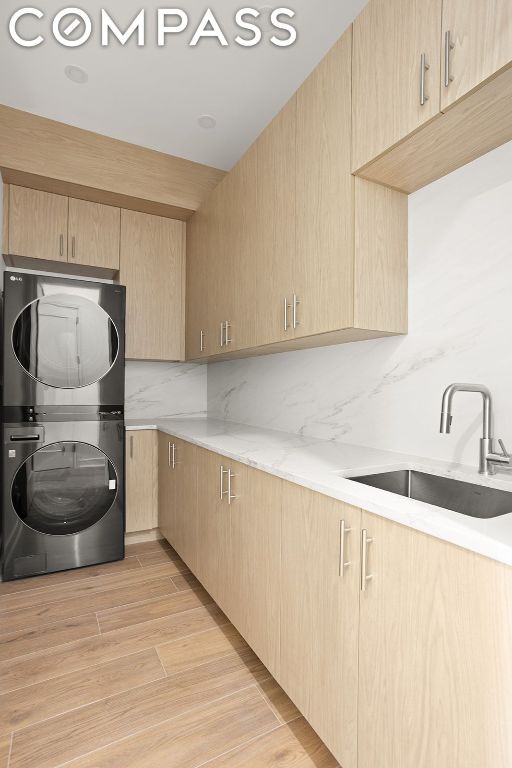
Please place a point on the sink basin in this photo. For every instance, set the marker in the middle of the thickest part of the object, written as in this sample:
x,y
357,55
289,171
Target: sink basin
x,y
467,498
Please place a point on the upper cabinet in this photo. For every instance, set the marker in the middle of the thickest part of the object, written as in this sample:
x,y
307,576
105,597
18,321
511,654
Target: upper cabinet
x,y
38,224
153,269
396,73
93,234
295,251
477,41
56,228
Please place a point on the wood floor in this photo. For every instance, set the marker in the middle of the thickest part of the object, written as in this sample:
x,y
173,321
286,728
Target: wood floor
x,y
132,665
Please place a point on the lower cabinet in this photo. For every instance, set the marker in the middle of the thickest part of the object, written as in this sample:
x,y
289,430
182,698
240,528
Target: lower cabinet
x,y
394,645
319,607
141,481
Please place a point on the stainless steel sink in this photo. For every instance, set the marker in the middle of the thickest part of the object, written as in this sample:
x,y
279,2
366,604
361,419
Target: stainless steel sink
x,y
467,498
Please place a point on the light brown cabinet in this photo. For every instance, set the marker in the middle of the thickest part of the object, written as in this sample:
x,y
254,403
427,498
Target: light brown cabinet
x,y
435,669
390,39
38,224
166,488
481,36
319,615
141,481
93,234
56,228
152,267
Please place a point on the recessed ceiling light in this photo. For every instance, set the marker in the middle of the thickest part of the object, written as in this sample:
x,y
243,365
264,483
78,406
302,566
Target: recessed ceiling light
x,y
76,74
207,122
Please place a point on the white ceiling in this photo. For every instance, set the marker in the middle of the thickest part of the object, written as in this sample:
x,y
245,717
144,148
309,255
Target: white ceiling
x,y
153,96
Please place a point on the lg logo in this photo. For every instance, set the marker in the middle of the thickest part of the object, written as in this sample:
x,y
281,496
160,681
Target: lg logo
x,y
72,27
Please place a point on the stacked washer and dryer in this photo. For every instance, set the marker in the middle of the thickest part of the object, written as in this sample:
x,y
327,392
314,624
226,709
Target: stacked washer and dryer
x,y
62,424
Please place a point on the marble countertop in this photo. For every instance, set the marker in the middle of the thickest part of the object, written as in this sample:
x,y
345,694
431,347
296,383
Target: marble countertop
x,y
326,466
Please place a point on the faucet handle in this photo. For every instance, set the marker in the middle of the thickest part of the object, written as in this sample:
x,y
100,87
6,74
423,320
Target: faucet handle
x,y
505,453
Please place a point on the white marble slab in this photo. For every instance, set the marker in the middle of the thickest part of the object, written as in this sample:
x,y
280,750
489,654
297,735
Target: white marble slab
x,y
164,389
326,466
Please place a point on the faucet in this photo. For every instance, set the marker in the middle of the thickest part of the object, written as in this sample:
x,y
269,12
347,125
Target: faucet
x,y
489,460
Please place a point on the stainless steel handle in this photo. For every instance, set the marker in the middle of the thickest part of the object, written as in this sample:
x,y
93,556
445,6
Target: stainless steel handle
x,y
342,562
201,342
73,244
173,456
286,308
61,245
365,576
231,497
227,326
222,473
131,446
448,46
296,302
424,66
222,334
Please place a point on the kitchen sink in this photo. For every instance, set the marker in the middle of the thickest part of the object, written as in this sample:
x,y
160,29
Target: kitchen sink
x,y
467,498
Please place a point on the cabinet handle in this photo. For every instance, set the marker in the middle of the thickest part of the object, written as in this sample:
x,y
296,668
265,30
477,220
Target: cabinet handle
x,y
231,497
448,46
61,245
227,326
222,473
365,576
296,302
222,334
424,66
171,455
131,446
342,562
73,244
201,342
286,308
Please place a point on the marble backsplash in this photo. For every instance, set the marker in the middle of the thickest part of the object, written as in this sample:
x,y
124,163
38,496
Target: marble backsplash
x,y
387,393
159,390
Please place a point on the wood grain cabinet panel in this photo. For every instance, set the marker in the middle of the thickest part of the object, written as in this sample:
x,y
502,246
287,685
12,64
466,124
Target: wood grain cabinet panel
x,y
184,459
198,340
320,615
141,480
38,224
481,35
389,40
166,489
153,270
435,669
94,234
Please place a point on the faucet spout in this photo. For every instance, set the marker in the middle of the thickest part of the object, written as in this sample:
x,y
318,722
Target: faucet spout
x,y
446,408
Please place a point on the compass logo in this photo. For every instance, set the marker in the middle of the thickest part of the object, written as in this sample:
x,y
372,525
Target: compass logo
x,y
73,27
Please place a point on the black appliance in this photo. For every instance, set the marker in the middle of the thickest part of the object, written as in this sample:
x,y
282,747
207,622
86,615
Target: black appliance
x,y
62,424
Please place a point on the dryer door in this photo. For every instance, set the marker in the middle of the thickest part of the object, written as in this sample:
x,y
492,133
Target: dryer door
x,y
65,341
64,488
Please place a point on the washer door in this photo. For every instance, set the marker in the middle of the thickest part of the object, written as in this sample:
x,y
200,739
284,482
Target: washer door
x,y
65,341
64,488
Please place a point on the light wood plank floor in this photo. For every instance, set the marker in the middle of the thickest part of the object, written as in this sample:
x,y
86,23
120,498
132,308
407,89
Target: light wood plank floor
x,y
132,665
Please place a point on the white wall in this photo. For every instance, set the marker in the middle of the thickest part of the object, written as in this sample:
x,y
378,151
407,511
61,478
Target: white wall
x,y
164,389
387,393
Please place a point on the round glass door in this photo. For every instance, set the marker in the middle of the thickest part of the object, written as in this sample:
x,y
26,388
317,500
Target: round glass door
x,y
64,488
65,341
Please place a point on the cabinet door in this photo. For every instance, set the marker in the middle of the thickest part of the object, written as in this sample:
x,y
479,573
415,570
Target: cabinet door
x,y
256,553
185,480
198,341
166,489
320,615
94,233
141,481
213,526
435,668
390,37
271,279
153,270
38,224
481,33
324,263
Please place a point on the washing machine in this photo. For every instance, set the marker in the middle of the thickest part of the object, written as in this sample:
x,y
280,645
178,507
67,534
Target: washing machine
x,y
63,489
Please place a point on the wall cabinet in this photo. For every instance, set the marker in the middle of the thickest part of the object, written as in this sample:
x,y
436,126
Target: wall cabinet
x,y
153,269
293,237
141,481
56,228
319,614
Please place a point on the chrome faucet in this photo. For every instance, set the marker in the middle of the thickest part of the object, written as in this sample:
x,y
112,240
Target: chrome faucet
x,y
489,460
